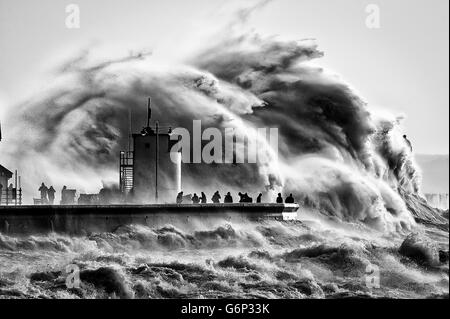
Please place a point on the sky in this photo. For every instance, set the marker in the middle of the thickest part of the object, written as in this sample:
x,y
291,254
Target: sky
x,y
402,66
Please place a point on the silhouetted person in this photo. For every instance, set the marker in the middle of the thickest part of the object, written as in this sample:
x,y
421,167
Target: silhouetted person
x,y
216,198
195,199
290,199
203,198
51,195
44,192
248,199
64,195
408,142
259,198
228,198
279,199
241,198
180,198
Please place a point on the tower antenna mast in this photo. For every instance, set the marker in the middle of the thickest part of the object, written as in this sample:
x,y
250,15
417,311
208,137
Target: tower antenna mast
x,y
149,111
130,130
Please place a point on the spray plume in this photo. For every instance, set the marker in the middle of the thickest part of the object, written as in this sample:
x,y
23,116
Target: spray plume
x,y
333,152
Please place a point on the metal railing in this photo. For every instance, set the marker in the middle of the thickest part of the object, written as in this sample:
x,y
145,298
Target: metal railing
x,y
11,197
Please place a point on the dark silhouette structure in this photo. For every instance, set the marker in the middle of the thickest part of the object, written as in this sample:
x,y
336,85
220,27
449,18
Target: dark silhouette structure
x,y
195,199
203,198
216,198
245,198
180,198
63,194
51,195
151,168
44,193
228,198
290,199
259,198
279,199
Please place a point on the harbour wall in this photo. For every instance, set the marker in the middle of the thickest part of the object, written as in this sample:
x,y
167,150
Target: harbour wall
x,y
91,219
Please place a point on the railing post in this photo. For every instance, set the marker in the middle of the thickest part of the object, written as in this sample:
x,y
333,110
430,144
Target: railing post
x,y
15,189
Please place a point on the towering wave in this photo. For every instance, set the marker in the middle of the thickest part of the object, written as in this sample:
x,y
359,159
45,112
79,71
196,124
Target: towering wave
x,y
335,153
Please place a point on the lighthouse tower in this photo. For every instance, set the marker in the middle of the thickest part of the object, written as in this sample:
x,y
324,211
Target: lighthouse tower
x,y
151,172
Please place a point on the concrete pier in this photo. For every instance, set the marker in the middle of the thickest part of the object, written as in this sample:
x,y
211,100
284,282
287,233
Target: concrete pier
x,y
88,219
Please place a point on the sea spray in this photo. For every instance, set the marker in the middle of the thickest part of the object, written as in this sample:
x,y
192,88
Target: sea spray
x,y
333,150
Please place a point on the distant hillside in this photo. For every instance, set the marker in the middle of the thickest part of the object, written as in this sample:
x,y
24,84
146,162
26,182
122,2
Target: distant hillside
x,y
435,173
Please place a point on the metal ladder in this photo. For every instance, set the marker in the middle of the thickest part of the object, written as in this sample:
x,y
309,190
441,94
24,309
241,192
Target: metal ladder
x,y
126,172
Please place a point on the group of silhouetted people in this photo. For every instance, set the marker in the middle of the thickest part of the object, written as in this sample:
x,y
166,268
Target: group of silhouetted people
x,y
289,200
243,198
47,194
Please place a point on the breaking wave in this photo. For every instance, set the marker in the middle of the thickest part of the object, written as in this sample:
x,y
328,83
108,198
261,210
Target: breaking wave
x,y
335,152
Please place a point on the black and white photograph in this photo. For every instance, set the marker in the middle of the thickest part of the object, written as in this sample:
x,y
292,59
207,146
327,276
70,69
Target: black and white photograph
x,y
197,151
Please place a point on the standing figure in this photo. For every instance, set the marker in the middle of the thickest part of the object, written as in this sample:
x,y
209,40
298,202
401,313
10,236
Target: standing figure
x,y
279,199
228,198
203,199
44,191
180,197
259,199
195,199
216,198
51,195
290,199
64,195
